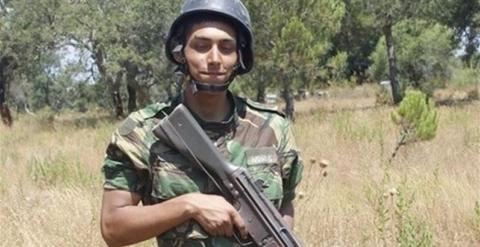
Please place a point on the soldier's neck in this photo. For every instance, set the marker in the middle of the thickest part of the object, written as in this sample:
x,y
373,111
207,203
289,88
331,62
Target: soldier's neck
x,y
210,107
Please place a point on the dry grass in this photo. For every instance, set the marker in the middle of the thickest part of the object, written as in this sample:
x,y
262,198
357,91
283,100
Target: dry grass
x,y
442,174
49,183
50,187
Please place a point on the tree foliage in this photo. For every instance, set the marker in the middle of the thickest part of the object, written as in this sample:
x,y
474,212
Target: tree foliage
x,y
75,54
125,41
274,25
386,14
464,18
424,52
357,38
28,34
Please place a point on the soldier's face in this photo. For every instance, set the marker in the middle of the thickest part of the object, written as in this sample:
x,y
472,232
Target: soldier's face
x,y
211,52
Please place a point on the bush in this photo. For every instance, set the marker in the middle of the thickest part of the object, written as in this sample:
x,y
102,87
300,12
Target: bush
x,y
410,230
337,69
417,117
395,220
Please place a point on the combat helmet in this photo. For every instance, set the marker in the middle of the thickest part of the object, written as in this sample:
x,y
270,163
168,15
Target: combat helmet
x,y
232,10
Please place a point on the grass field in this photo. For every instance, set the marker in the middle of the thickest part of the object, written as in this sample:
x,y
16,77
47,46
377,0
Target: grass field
x,y
50,184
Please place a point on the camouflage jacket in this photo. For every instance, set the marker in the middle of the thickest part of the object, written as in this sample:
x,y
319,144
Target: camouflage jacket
x,y
255,137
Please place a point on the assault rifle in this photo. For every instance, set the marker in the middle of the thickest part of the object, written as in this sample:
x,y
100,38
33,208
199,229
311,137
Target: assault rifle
x,y
266,227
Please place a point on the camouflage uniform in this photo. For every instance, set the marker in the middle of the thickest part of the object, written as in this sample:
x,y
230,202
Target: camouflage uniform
x,y
254,136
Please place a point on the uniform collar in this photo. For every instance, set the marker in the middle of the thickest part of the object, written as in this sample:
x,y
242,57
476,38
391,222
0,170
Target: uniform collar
x,y
217,129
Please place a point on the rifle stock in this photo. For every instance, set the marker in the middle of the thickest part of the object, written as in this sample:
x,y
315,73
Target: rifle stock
x,y
265,224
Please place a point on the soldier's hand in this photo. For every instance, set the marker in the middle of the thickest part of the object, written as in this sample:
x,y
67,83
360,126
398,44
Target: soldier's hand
x,y
217,216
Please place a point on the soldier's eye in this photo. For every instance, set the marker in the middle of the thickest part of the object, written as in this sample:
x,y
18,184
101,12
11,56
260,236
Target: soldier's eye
x,y
201,46
227,47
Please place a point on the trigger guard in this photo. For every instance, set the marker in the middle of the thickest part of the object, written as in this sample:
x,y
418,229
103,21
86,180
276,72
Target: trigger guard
x,y
244,243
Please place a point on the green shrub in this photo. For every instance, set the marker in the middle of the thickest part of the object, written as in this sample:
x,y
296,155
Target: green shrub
x,y
411,232
417,117
383,217
395,222
337,70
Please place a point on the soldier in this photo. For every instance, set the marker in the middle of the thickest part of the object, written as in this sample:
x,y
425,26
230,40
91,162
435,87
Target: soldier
x,y
211,42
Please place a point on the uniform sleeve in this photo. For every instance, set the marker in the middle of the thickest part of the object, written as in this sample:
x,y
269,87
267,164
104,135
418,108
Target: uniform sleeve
x,y
119,171
125,166
292,166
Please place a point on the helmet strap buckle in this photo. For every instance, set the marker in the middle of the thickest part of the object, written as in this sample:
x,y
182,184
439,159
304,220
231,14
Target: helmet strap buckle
x,y
205,87
240,59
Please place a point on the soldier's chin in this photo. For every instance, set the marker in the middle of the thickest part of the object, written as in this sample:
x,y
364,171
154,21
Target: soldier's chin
x,y
202,92
214,80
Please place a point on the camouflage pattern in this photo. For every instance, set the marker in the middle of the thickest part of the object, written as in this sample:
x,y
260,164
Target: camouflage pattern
x,y
256,137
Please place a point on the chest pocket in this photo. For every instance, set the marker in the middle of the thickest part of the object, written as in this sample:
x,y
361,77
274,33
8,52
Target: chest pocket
x,y
263,164
172,175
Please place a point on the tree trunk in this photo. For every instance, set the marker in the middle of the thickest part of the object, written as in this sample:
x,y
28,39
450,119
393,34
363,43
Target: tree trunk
x,y
113,84
6,116
261,89
169,90
47,93
3,98
138,94
117,98
143,96
289,102
132,85
392,62
260,92
7,65
132,98
471,46
4,111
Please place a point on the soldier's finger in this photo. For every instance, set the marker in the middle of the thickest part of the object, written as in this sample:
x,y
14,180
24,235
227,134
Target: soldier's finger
x,y
211,230
239,224
228,228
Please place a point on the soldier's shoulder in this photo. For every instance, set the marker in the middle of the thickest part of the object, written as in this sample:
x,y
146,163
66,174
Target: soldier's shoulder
x,y
265,109
153,110
140,117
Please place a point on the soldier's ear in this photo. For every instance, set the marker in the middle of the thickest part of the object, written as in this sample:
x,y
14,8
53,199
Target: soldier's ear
x,y
178,55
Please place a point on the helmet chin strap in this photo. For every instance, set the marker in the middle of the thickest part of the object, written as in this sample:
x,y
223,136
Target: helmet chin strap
x,y
205,87
198,86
